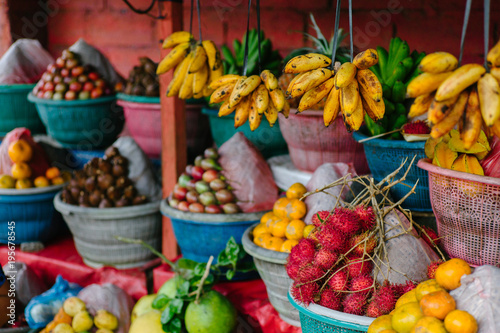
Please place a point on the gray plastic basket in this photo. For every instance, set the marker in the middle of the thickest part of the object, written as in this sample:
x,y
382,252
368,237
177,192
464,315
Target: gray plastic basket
x,y
271,267
94,231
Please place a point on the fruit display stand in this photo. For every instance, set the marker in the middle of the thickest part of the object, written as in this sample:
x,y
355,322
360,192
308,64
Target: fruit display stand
x,y
311,144
16,111
467,213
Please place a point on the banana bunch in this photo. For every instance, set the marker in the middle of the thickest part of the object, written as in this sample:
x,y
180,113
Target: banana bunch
x,y
350,88
196,64
466,96
250,97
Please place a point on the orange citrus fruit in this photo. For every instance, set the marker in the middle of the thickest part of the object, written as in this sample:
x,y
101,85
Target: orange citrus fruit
x,y
260,229
279,228
307,230
20,170
262,239
58,181
295,230
271,221
20,151
437,304
427,287
52,173
295,209
41,181
288,244
279,208
274,244
380,324
388,331
459,321
429,324
296,191
449,273
406,298
23,183
266,217
406,316
66,175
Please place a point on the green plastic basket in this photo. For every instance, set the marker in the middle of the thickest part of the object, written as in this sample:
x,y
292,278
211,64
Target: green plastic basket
x,y
138,99
81,124
16,111
314,323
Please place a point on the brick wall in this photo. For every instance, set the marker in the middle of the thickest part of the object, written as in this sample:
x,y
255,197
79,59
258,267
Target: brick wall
x,y
124,36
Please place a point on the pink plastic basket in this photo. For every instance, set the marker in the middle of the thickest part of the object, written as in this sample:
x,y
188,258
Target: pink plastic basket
x,y
467,209
311,144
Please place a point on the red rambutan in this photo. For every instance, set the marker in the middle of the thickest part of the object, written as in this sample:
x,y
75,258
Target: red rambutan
x,y
292,268
359,266
355,303
345,220
373,310
431,269
431,235
304,293
309,273
331,299
403,288
361,283
338,282
325,259
366,217
363,243
385,298
320,218
332,239
304,251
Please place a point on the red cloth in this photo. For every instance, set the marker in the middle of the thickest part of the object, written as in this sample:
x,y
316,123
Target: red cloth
x,y
249,297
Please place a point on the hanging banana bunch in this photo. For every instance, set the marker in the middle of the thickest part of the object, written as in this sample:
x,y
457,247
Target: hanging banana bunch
x,y
250,97
351,88
466,96
196,64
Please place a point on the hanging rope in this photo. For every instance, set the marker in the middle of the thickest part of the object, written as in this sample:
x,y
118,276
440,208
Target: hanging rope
x,y
191,18
140,11
486,30
335,33
199,20
464,29
258,33
245,61
350,30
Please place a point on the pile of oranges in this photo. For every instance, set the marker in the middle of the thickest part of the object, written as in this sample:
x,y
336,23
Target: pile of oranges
x,y
429,307
281,229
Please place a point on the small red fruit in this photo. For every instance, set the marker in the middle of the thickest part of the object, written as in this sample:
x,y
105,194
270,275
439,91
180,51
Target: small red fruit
x,y
48,86
180,192
77,71
213,209
88,86
93,76
64,72
184,206
75,86
60,62
70,95
192,196
197,173
196,208
99,83
96,93
210,175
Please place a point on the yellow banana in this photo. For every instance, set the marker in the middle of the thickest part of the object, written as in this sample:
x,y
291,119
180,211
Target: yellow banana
x,y
493,57
459,80
438,110
261,98
286,109
292,83
375,110
254,117
200,59
187,87
307,62
207,91
309,81
345,75
349,97
489,98
332,107
438,62
213,55
369,84
495,129
225,109
176,38
271,114
215,75
269,80
313,96
420,105
222,93
179,75
223,80
354,120
243,88
425,83
173,58
447,124
473,120
242,111
366,59
496,73
200,80
278,99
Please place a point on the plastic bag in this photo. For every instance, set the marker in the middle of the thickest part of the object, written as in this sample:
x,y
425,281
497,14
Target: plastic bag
x,y
248,174
38,163
111,298
28,285
479,294
41,310
24,62
140,168
325,174
491,163
89,55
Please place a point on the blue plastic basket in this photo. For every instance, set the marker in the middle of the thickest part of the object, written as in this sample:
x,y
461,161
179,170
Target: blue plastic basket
x,y
82,124
311,322
16,111
385,156
33,212
267,139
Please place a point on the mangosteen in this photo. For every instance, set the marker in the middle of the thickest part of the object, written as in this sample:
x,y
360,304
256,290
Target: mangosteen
x,y
122,202
123,182
113,193
119,160
105,203
90,183
105,181
73,182
119,170
139,200
105,166
75,193
83,199
130,192
111,152
95,198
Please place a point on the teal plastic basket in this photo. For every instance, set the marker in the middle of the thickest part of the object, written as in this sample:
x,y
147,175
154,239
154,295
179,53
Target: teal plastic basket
x,y
81,124
138,99
16,111
385,156
267,139
311,322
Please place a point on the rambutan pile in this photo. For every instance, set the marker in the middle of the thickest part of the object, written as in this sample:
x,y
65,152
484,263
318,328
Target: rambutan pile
x,y
320,218
304,293
431,235
431,269
366,217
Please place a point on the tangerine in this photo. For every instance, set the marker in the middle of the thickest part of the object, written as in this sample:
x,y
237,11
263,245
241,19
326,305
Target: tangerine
x,y
406,298
279,228
406,316
23,183
459,321
274,244
437,304
380,324
260,229
307,230
427,287
449,273
296,191
52,173
262,239
295,209
272,221
295,230
288,244
267,216
430,325
58,181
279,208
41,181
20,170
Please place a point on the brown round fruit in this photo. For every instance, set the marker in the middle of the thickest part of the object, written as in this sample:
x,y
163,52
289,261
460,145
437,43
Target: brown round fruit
x,y
224,196
90,183
113,193
218,184
192,196
139,200
111,152
130,192
196,208
95,198
213,209
104,181
231,208
104,166
122,202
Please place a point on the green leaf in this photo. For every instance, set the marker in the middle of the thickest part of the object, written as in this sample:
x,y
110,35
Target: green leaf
x,y
176,305
183,288
316,27
232,249
167,315
222,259
186,268
200,269
175,326
160,302
230,274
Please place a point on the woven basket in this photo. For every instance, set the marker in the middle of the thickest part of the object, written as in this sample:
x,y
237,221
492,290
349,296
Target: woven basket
x,y
94,231
271,267
467,209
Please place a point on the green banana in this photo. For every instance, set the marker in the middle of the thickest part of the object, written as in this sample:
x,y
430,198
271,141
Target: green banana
x,y
398,123
265,49
387,91
238,52
228,55
382,62
408,63
400,109
373,127
393,50
414,55
398,74
390,108
398,92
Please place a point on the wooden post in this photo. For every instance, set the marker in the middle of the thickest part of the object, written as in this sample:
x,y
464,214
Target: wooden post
x,y
173,125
